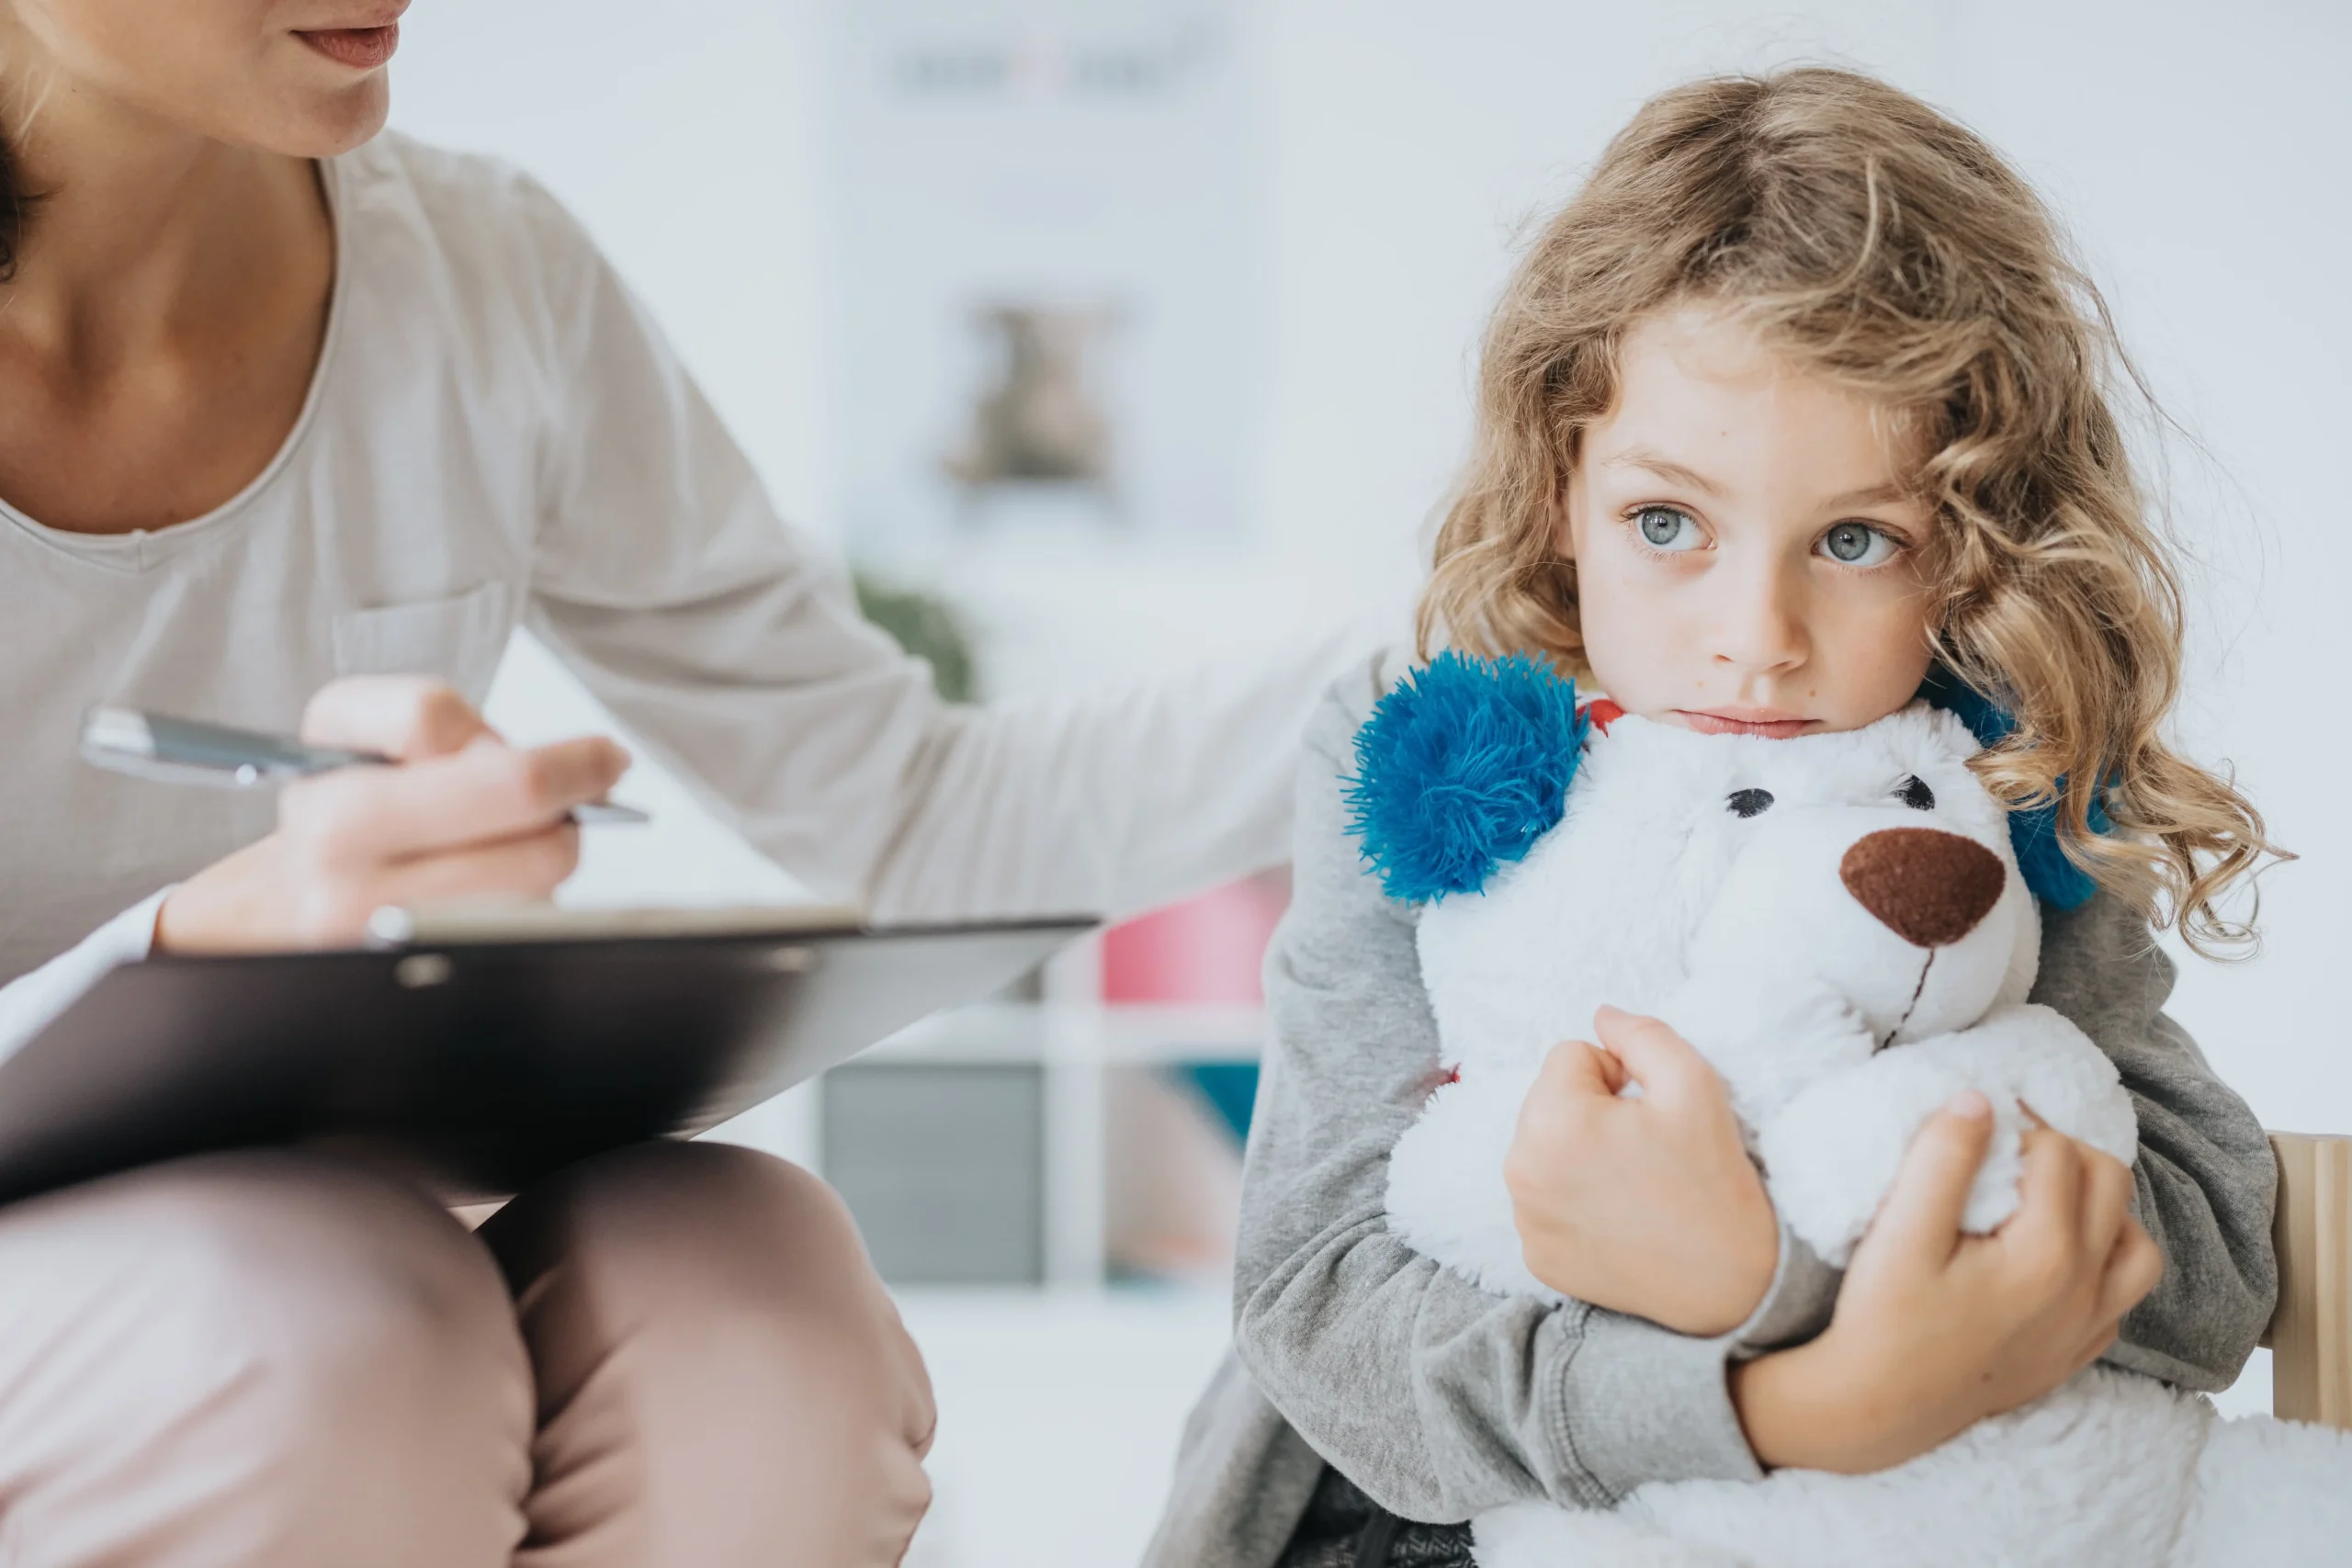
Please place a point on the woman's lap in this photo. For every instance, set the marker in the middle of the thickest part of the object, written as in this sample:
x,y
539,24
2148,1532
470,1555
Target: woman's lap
x,y
273,1357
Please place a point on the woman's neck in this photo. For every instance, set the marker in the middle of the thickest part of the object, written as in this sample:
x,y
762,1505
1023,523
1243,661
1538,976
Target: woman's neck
x,y
141,237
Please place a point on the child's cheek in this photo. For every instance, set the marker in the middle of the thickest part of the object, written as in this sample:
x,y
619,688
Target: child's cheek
x,y
1632,636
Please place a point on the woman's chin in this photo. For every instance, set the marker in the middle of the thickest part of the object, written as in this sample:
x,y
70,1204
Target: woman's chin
x,y
330,123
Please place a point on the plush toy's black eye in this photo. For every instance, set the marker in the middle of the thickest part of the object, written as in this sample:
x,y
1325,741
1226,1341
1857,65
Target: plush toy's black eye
x,y
1750,802
1915,794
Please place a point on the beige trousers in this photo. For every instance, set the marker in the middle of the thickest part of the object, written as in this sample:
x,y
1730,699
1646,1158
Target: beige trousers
x,y
275,1360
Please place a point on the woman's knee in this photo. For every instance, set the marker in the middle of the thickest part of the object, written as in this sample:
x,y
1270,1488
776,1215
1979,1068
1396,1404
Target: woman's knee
x,y
323,1346
708,1232
722,1299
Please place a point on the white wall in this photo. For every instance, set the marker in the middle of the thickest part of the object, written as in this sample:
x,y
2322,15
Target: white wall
x,y
2201,155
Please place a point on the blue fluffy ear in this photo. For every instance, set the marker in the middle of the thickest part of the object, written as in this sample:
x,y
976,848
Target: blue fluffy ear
x,y
2055,880
1460,769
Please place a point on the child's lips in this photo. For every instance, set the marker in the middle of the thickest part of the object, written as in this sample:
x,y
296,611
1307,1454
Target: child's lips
x,y
1773,723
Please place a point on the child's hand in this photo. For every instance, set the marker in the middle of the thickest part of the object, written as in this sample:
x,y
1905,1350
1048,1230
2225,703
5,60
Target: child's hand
x,y
1648,1206
1936,1330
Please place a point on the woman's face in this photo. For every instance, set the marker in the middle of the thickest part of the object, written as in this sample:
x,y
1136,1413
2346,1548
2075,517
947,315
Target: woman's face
x,y
1746,558
301,77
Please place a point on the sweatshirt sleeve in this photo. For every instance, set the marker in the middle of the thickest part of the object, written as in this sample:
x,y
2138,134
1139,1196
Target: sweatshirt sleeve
x,y
1436,1397
30,1001
731,646
2205,1179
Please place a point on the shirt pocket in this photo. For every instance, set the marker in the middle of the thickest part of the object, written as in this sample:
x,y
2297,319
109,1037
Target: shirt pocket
x,y
459,638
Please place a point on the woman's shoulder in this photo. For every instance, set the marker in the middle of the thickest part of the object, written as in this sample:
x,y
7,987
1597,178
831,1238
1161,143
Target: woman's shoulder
x,y
421,213
446,185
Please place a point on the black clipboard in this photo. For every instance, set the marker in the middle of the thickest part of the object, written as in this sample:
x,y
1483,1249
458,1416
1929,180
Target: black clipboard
x,y
477,1064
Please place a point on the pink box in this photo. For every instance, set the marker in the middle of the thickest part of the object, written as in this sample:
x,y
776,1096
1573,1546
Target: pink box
x,y
1206,949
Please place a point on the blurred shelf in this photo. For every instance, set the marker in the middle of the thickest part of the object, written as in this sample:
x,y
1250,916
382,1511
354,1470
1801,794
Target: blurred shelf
x,y
976,1145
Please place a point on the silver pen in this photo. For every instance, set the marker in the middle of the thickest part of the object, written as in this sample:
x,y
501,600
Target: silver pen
x,y
184,750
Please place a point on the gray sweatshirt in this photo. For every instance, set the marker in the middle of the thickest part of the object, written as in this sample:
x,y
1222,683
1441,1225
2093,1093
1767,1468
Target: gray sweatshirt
x,y
1441,1400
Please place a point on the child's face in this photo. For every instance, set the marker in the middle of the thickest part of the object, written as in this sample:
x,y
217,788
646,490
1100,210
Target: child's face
x,y
1746,558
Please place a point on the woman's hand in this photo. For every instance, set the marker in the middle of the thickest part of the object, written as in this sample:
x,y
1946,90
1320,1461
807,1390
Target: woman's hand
x,y
1935,1330
1648,1206
466,813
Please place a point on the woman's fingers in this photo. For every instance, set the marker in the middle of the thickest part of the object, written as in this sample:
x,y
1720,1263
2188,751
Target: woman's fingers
x,y
406,718
1923,1209
531,866
485,793
462,814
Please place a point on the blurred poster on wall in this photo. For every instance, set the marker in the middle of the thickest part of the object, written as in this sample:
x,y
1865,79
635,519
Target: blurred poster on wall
x,y
1049,279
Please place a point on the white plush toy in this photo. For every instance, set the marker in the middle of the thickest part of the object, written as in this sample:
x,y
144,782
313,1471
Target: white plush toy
x,y
1839,923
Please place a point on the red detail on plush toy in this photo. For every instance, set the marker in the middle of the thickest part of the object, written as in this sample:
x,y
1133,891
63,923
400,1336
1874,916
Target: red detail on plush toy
x,y
1438,1078
1603,713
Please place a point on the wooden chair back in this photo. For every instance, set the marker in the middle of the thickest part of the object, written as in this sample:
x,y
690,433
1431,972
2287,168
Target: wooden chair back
x,y
2310,1333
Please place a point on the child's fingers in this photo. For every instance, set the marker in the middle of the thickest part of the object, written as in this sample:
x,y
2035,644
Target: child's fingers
x,y
1922,1212
1575,1070
1662,1062
2133,1269
2092,1348
2050,1196
1612,1068
2107,1199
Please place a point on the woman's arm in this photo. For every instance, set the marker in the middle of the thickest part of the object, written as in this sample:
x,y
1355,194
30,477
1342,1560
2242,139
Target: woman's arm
x,y
2205,1179
732,648
30,1001
1436,1397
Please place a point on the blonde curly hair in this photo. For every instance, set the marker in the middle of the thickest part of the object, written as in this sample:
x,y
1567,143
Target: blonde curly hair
x,y
1870,239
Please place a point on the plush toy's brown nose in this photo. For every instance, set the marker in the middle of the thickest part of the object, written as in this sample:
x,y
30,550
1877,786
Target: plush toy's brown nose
x,y
1928,887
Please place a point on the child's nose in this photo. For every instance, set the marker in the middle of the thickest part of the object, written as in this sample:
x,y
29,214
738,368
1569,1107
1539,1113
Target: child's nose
x,y
1759,626
1928,887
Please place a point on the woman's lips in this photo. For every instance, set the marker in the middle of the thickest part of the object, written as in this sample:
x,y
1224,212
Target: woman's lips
x,y
362,48
1768,723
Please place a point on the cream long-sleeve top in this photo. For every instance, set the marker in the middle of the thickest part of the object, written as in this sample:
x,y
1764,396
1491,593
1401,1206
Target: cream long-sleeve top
x,y
497,435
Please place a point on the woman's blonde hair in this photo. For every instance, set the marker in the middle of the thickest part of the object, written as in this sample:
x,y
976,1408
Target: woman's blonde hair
x,y
1868,238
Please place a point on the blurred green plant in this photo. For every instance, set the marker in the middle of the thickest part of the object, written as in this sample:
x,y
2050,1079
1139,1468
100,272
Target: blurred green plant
x,y
925,626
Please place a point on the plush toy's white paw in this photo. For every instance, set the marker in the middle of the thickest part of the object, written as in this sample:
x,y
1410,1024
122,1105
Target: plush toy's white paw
x,y
2039,1056
1833,1151
2275,1493
1446,1196
1539,1535
1831,1154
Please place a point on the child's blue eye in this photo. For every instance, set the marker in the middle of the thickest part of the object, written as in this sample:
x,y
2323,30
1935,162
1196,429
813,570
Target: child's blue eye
x,y
1858,544
1666,528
